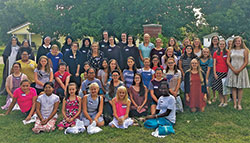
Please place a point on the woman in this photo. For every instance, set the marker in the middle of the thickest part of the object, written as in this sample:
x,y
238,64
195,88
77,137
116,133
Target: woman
x,y
113,51
173,43
138,93
27,67
158,50
67,44
112,65
92,107
168,53
9,57
25,96
185,42
195,87
197,47
130,50
237,78
86,44
44,48
25,47
13,82
95,56
73,59
145,48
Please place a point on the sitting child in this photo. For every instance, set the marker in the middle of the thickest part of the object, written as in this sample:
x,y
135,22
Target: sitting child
x,y
121,107
46,108
71,107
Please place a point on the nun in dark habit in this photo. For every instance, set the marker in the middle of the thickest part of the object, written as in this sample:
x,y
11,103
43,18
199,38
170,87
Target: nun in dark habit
x,y
9,57
67,44
44,48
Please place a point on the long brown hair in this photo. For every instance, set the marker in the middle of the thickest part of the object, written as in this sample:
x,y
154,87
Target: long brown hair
x,y
242,46
199,71
47,67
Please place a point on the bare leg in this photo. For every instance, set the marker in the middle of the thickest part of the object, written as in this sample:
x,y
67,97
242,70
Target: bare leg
x,y
208,96
100,124
202,109
214,96
153,109
221,100
234,92
193,109
60,128
240,93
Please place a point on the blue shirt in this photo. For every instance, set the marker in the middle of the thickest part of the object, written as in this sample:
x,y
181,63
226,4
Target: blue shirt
x,y
128,77
86,83
146,50
55,60
204,66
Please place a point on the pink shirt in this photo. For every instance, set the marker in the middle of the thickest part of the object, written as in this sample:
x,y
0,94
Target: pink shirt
x,y
24,100
120,108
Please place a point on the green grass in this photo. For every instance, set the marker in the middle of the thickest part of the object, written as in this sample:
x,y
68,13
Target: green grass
x,y
1,50
214,125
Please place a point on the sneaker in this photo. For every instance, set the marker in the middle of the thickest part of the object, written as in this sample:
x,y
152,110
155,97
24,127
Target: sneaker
x,y
230,99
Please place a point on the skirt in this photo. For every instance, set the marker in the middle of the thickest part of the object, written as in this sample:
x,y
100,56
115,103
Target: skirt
x,y
217,83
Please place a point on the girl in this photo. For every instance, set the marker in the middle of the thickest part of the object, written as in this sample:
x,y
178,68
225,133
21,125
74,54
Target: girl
x,y
195,87
25,96
93,107
197,47
129,72
112,65
130,50
71,107
173,76
138,94
168,53
206,64
46,108
25,47
9,57
13,82
84,75
67,44
111,89
237,61
184,62
121,107
62,78
103,72
220,71
146,72
155,63
145,47
165,110
154,88
55,57
173,43
158,50
95,56
43,73
185,42
44,48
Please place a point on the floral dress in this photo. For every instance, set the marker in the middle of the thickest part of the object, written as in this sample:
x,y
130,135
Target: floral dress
x,y
72,108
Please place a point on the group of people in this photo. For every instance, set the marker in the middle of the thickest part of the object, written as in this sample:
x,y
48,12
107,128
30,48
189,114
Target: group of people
x,y
118,84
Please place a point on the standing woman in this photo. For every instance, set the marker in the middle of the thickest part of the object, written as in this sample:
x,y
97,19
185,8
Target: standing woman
x,y
130,50
158,50
173,43
113,51
220,71
95,56
138,93
103,72
155,63
25,47
129,72
67,44
185,42
195,87
197,47
44,48
73,59
13,82
168,53
43,73
9,57
112,65
86,44
237,61
145,48
146,72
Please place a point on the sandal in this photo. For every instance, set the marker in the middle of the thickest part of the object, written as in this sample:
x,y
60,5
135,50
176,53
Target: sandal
x,y
214,99
221,104
239,107
235,106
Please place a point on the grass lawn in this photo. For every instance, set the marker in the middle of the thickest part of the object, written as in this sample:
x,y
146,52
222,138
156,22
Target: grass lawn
x,y
214,125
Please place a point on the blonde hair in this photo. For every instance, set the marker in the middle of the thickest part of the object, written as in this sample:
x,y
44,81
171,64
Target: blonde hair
x,y
160,40
242,46
204,49
199,71
165,57
125,100
94,84
54,47
200,45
